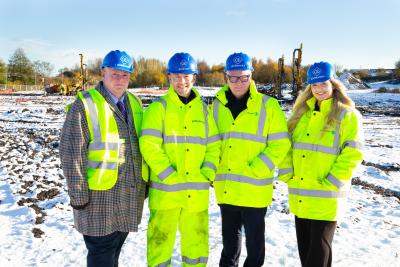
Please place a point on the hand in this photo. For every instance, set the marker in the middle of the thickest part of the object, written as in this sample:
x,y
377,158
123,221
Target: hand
x,y
79,207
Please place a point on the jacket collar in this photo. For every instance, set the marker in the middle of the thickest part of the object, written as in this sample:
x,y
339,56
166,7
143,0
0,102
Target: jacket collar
x,y
175,98
326,105
221,96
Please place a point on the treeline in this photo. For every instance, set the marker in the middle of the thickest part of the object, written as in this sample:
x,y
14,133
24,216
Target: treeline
x,y
379,75
150,72
147,72
21,70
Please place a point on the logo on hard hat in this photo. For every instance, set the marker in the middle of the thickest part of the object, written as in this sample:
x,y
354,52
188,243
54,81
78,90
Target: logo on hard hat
x,y
316,71
183,63
124,60
237,60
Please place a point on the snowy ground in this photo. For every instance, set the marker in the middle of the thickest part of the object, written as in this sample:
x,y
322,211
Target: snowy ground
x,y
37,224
384,84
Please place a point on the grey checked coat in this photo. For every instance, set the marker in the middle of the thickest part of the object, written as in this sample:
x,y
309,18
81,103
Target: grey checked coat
x,y
116,209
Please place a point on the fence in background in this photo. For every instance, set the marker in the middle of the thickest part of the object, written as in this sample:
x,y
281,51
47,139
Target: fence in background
x,y
21,87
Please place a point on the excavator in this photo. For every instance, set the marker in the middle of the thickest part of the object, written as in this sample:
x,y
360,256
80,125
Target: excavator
x,y
297,84
69,87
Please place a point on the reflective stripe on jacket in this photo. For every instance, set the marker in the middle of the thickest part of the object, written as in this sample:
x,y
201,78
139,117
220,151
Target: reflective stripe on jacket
x,y
103,151
181,145
252,145
323,162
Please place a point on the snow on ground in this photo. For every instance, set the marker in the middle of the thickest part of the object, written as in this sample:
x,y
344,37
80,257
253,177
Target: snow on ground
x,y
34,200
369,98
351,82
384,84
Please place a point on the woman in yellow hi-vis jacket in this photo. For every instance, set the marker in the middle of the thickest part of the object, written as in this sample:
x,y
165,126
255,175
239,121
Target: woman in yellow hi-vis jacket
x,y
180,143
327,137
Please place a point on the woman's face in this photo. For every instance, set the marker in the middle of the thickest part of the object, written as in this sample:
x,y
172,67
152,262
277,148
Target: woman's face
x,y
322,91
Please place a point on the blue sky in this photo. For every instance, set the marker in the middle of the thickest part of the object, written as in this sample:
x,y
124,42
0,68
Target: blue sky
x,y
352,33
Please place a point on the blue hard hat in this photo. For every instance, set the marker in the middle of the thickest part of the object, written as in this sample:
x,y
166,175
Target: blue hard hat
x,y
119,60
238,61
319,72
182,63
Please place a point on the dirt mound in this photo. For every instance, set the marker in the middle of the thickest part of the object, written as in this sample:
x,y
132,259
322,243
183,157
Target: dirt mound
x,y
49,194
376,188
351,82
37,232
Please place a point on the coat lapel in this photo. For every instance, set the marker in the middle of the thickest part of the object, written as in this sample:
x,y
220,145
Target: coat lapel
x,y
100,87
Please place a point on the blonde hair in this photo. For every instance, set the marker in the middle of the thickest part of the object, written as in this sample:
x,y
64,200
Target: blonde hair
x,y
341,101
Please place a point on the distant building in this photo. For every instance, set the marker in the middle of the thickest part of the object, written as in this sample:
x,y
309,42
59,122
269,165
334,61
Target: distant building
x,y
372,72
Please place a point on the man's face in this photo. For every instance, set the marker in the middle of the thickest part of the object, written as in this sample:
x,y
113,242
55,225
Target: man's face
x,y
116,81
238,82
182,83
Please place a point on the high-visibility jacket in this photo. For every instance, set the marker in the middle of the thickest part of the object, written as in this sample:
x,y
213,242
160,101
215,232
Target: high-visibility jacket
x,y
319,168
252,145
181,145
103,150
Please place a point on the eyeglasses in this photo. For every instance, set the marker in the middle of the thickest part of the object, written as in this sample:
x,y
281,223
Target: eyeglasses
x,y
235,79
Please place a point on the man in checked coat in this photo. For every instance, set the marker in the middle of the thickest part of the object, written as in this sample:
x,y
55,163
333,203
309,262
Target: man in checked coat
x,y
102,164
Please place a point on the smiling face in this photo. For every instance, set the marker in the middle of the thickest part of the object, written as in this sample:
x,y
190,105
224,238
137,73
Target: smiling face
x,y
322,91
239,82
182,83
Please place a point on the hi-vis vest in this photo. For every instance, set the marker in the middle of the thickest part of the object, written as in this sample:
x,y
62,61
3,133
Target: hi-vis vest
x,y
318,169
103,151
252,145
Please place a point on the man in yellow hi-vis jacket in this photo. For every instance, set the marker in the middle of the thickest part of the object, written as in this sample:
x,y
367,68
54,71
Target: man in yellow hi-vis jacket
x,y
254,137
180,143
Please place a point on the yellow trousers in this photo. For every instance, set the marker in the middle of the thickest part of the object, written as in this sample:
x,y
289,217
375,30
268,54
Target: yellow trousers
x,y
161,234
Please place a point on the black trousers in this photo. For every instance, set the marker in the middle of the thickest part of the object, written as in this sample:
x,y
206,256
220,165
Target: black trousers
x,y
314,241
103,251
252,220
